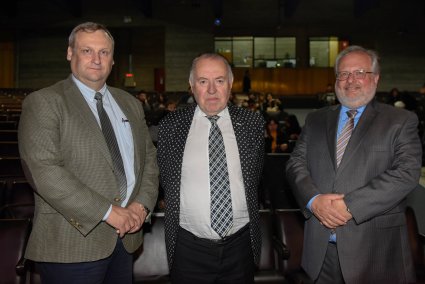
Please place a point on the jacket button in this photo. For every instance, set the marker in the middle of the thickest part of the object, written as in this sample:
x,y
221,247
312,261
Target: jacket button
x,y
116,199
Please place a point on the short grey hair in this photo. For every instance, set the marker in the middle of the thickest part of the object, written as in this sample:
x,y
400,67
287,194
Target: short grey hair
x,y
89,27
355,48
210,56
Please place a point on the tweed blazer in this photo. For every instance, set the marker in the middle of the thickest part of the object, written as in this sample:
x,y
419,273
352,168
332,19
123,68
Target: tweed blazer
x,y
67,161
380,166
173,132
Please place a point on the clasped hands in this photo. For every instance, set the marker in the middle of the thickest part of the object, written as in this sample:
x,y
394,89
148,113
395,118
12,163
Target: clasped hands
x,y
331,210
127,220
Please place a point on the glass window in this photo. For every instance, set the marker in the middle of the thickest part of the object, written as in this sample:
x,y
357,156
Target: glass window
x,y
270,52
286,51
323,51
242,51
223,46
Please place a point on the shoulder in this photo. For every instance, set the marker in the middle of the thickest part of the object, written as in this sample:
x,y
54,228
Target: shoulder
x,y
55,92
179,116
123,94
246,116
392,113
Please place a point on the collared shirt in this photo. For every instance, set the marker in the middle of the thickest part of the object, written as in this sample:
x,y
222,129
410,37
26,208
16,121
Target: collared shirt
x,y
195,196
121,128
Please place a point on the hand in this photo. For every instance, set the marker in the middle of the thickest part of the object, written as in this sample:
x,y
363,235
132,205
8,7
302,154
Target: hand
x,y
138,209
329,215
339,204
122,219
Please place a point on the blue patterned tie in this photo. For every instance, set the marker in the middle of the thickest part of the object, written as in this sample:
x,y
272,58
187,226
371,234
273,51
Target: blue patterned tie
x,y
221,200
111,141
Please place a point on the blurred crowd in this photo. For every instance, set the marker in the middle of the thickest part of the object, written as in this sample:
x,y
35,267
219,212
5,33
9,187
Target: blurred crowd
x,y
281,131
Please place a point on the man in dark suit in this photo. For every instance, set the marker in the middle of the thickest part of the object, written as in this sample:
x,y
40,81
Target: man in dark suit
x,y
91,200
198,251
354,200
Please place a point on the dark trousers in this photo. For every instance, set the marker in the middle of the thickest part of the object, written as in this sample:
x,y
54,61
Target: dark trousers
x,y
202,261
117,268
331,269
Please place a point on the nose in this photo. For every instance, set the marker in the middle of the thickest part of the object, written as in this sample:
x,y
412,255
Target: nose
x,y
96,58
211,88
350,77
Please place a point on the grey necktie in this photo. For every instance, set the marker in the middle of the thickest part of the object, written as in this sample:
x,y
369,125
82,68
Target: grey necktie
x,y
345,135
111,141
221,200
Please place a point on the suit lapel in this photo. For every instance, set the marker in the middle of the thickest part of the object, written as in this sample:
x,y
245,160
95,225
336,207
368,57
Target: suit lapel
x,y
181,131
78,105
331,130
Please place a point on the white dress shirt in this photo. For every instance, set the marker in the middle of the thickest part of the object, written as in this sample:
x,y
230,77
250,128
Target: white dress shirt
x,y
195,196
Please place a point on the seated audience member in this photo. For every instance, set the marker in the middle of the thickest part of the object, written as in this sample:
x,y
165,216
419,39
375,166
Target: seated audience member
x,y
275,138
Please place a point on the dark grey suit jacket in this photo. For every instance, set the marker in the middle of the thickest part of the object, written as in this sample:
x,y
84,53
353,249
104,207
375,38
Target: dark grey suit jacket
x,y
381,165
70,167
173,132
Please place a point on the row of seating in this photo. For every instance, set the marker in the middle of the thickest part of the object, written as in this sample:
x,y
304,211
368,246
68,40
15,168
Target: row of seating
x,y
279,262
282,238
16,198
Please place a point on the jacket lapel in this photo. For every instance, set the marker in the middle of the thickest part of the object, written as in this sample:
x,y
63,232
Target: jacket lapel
x,y
331,130
78,105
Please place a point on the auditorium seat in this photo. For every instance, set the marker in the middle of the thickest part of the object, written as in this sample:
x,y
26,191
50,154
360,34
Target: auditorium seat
x,y
20,192
11,167
13,238
18,200
290,230
272,251
9,149
151,264
417,242
8,135
275,191
3,190
8,125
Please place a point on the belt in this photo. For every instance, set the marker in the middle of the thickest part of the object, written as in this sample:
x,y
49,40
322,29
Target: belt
x,y
222,241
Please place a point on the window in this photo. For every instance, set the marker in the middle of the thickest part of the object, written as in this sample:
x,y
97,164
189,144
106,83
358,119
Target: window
x,y
323,51
270,52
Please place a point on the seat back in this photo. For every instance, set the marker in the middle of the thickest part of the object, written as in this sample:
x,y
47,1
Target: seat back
x,y
416,244
13,238
267,257
290,230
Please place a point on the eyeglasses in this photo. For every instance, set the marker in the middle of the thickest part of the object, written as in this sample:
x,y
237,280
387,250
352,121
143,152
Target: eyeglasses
x,y
357,74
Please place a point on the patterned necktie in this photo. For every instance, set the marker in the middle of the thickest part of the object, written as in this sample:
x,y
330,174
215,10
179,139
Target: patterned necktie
x,y
111,141
345,135
221,200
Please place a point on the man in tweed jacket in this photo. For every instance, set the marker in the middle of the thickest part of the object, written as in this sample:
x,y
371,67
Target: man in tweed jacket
x,y
196,253
84,231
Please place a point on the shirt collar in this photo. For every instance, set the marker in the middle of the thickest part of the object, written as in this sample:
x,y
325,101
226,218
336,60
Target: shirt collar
x,y
360,110
87,92
224,113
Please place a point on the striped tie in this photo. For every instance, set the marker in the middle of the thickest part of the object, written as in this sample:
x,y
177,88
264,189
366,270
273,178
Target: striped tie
x,y
345,135
112,143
